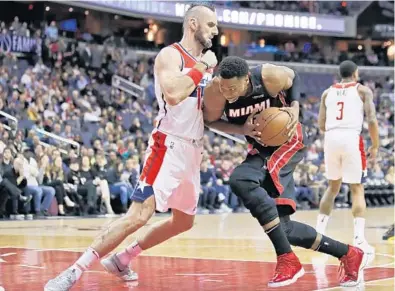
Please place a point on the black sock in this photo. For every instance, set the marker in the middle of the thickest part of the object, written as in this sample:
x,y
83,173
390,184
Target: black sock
x,y
332,247
279,240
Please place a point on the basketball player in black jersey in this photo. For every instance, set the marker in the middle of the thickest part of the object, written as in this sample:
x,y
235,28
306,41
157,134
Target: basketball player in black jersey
x,y
264,181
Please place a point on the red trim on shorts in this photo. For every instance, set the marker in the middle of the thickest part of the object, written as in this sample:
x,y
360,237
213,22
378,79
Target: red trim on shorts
x,y
281,96
155,160
286,201
362,151
283,155
344,85
189,61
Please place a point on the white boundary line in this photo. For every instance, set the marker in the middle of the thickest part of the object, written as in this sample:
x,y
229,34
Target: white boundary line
x,y
79,250
366,283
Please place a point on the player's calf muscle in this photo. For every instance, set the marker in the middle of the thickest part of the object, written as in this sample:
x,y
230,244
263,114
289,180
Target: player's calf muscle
x,y
137,216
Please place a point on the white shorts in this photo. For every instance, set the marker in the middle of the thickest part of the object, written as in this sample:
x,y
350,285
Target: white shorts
x,y
345,156
172,170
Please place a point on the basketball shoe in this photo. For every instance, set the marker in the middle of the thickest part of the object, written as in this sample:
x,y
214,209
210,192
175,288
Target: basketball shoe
x,y
288,270
115,267
351,267
389,234
63,282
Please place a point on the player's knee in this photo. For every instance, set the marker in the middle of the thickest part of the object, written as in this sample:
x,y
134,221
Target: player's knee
x,y
240,182
262,207
356,189
334,187
182,223
138,220
184,226
139,216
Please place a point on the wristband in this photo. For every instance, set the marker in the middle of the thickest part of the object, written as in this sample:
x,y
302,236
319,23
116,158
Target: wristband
x,y
207,66
195,75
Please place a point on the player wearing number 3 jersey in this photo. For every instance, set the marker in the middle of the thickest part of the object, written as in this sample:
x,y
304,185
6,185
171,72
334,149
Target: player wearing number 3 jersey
x,y
341,118
171,174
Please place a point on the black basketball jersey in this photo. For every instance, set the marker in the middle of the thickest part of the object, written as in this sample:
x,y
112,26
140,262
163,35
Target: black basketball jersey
x,y
238,112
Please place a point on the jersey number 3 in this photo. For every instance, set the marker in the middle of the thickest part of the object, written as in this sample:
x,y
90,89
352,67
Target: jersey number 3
x,y
341,107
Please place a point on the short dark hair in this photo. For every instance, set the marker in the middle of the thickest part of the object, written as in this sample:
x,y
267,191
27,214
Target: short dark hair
x,y
347,68
202,4
231,67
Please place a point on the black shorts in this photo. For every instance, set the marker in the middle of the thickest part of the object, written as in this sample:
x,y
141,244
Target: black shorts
x,y
277,168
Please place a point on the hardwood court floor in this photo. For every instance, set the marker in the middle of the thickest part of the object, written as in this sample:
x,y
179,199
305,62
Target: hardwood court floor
x,y
222,252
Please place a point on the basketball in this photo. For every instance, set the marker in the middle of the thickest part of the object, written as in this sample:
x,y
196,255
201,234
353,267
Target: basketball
x,y
273,126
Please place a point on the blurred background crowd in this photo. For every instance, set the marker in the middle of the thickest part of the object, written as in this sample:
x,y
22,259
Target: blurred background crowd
x,y
77,105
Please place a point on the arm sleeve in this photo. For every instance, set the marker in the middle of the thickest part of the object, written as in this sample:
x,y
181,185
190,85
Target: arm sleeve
x,y
293,93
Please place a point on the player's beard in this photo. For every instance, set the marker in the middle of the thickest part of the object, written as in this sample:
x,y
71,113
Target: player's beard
x,y
205,43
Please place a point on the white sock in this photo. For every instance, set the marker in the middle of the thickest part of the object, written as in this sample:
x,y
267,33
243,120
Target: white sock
x,y
322,222
359,229
85,261
132,251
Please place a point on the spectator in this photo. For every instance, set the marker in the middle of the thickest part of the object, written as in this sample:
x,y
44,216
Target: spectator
x,y
83,187
120,184
42,195
101,184
54,177
389,178
15,176
208,194
377,173
52,31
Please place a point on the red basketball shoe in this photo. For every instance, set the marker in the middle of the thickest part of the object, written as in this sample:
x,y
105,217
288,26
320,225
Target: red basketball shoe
x,y
288,270
351,266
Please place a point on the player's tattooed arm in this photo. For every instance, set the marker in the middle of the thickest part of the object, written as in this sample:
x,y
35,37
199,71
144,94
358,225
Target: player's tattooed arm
x,y
322,112
370,115
368,103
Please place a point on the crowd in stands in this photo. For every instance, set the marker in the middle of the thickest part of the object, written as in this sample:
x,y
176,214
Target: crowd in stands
x,y
340,8
316,53
322,7
67,92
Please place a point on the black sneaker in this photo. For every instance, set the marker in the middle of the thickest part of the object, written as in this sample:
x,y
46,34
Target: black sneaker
x,y
389,233
42,214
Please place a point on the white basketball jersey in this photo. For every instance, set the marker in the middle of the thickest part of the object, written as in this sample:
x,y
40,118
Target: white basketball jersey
x,y
185,119
344,108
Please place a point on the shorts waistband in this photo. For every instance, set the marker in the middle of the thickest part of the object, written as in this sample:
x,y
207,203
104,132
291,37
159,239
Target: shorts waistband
x,y
196,142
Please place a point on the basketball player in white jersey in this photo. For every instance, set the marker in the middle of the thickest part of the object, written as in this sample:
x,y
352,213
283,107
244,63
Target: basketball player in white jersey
x,y
341,117
171,174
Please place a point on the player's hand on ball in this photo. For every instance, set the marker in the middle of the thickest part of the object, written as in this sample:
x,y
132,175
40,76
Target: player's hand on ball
x,y
209,59
372,154
249,127
292,126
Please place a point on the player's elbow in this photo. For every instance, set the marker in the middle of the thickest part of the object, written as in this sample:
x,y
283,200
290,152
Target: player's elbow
x,y
171,100
208,120
208,123
172,97
321,125
373,121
